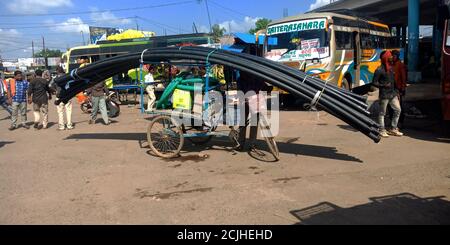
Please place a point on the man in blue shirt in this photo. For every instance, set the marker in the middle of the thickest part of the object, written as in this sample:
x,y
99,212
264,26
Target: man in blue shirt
x,y
17,97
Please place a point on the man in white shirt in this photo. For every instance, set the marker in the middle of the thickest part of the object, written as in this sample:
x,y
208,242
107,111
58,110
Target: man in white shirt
x,y
150,82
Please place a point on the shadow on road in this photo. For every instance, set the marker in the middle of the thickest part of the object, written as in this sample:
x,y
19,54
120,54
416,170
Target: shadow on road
x,y
109,136
429,127
347,127
3,143
316,151
286,148
400,209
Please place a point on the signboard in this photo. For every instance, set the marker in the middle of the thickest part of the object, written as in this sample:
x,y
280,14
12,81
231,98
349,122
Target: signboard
x,y
54,61
29,62
302,25
311,43
101,33
306,54
25,61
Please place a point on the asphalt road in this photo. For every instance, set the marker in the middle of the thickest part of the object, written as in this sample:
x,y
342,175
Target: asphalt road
x,y
329,174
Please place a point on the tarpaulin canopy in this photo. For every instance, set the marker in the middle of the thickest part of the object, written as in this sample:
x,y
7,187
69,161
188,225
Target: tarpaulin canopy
x,y
251,39
129,34
234,48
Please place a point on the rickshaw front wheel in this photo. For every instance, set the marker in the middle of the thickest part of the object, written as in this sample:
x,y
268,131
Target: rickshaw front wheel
x,y
165,137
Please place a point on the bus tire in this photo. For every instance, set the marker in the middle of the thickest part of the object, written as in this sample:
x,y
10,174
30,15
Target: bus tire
x,y
346,83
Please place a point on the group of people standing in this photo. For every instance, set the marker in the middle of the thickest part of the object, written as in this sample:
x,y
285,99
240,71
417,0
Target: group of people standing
x,y
17,92
37,89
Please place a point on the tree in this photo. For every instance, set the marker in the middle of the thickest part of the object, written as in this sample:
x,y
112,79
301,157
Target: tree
x,y
260,24
217,32
48,53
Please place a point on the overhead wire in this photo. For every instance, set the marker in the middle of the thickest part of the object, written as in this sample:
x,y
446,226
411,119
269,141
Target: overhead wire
x,y
65,24
100,11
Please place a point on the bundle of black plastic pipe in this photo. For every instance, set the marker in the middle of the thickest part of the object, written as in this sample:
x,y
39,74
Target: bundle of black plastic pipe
x,y
313,82
294,72
159,57
349,108
119,65
196,58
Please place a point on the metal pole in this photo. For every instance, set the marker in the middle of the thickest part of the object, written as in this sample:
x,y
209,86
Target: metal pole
x,y
404,37
413,39
398,36
437,43
44,53
141,86
82,35
209,16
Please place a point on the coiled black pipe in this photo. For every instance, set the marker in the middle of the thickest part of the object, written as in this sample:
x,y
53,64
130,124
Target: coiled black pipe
x,y
133,65
294,72
107,68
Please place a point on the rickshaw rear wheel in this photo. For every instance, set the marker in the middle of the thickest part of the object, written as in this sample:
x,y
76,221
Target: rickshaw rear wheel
x,y
165,137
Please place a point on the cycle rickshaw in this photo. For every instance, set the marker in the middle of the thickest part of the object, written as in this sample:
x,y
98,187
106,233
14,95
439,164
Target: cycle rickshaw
x,y
196,120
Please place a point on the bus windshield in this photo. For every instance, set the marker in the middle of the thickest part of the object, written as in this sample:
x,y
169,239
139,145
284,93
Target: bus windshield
x,y
300,40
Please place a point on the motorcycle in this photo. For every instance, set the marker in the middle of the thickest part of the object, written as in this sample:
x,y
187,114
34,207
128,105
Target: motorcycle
x,y
112,104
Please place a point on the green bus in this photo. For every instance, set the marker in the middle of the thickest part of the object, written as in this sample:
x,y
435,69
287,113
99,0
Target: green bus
x,y
107,49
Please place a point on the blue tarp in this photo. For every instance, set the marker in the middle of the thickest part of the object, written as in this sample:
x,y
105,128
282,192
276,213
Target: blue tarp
x,y
251,39
234,48
243,40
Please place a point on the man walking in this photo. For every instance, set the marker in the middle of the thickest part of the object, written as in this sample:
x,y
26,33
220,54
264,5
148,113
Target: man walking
x,y
37,93
17,98
400,81
99,102
385,81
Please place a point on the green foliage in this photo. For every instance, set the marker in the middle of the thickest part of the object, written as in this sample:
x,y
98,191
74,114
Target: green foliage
x,y
217,32
261,24
48,53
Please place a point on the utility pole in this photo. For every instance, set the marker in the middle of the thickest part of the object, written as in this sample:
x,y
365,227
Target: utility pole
x,y
137,26
82,35
44,53
209,16
194,28
32,50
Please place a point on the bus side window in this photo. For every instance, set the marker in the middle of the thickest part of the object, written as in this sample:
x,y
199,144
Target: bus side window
x,y
367,41
95,58
343,40
447,36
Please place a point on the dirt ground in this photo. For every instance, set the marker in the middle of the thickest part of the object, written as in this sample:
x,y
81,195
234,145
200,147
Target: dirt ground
x,y
329,174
